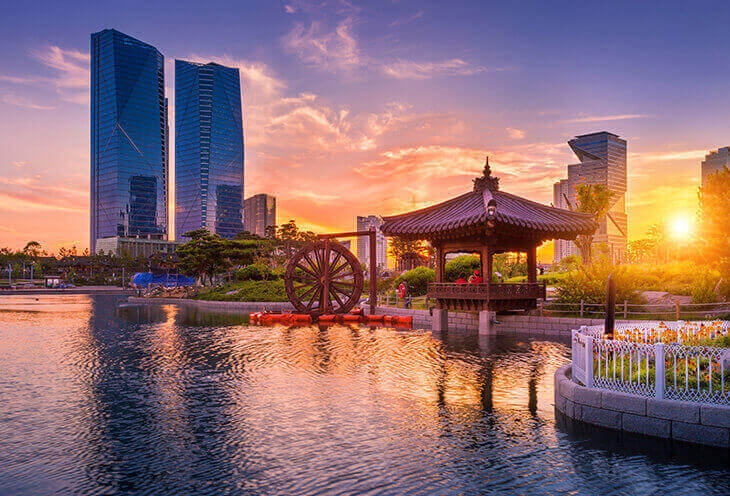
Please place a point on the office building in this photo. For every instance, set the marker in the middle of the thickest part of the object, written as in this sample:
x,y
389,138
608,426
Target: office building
x,y
128,195
260,214
208,149
602,158
715,161
135,247
363,247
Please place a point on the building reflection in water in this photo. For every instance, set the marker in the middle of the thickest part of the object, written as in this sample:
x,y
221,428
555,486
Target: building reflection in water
x,y
202,402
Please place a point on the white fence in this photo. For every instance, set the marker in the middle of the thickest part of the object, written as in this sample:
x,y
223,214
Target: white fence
x,y
640,361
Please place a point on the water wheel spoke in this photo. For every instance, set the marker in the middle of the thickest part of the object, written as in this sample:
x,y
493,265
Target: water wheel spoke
x,y
306,270
304,295
344,275
339,269
313,264
344,283
333,262
315,297
345,294
333,292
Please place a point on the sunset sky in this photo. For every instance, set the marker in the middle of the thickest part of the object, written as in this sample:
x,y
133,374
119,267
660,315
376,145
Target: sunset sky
x,y
355,108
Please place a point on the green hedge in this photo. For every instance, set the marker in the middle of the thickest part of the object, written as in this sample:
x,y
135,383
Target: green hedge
x,y
463,264
247,291
417,280
257,272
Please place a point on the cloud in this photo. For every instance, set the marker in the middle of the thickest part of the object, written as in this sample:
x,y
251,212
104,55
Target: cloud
x,y
289,9
332,50
20,101
21,80
405,69
32,193
515,133
605,118
20,164
670,155
71,72
406,20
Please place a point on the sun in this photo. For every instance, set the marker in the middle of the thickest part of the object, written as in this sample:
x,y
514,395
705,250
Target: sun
x,y
681,228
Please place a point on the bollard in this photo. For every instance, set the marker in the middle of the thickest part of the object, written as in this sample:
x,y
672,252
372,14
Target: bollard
x,y
610,309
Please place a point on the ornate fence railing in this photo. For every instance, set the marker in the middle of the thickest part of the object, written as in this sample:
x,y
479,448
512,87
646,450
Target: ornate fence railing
x,y
663,360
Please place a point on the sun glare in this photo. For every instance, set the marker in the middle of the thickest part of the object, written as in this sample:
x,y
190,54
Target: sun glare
x,y
681,228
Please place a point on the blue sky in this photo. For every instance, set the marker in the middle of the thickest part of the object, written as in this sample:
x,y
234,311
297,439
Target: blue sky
x,y
374,107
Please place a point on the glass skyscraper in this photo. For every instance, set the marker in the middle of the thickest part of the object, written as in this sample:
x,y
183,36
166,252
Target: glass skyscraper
x,y
208,149
128,138
602,158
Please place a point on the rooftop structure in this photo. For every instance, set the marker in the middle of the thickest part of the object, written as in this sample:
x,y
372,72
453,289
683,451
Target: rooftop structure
x,y
715,161
487,221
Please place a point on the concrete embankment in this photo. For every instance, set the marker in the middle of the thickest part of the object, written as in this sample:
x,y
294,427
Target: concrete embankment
x,y
691,422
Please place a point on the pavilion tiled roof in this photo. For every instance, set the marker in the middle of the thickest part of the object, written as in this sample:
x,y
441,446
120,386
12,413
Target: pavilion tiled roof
x,y
469,211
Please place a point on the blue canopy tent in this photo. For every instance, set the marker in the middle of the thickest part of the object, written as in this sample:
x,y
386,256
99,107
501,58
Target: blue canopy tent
x,y
144,279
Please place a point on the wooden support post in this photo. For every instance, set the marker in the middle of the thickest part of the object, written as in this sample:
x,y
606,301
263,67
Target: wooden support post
x,y
326,302
373,271
676,303
532,264
582,304
626,309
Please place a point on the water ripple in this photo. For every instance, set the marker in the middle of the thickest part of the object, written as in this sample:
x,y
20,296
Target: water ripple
x,y
97,398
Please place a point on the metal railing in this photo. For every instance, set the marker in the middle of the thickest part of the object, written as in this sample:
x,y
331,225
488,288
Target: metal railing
x,y
661,360
626,311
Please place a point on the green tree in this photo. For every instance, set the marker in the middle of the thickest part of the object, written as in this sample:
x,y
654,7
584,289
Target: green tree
x,y
203,256
714,225
33,249
399,247
592,199
290,239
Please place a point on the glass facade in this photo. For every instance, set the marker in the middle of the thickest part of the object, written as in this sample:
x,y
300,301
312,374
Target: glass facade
x,y
602,158
260,214
208,149
128,138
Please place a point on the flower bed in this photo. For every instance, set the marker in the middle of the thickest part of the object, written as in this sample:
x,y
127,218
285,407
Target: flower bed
x,y
687,361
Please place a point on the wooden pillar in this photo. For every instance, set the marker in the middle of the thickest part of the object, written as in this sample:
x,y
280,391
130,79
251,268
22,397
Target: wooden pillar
x,y
440,260
532,264
486,259
373,239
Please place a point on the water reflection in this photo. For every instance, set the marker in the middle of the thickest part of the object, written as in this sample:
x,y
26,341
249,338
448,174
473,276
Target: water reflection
x,y
165,399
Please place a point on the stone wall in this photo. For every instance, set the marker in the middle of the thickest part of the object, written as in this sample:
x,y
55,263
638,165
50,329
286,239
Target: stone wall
x,y
683,421
533,325
243,307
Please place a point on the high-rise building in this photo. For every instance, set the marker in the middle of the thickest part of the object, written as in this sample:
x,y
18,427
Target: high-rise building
x,y
208,149
715,161
381,244
260,214
602,158
128,139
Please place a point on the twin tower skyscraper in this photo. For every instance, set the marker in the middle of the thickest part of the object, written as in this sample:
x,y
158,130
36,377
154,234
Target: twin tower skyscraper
x,y
130,143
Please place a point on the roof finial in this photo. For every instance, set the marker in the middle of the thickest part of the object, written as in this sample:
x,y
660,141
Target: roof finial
x,y
487,180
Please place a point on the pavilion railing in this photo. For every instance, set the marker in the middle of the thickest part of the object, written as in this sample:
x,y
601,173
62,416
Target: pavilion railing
x,y
484,291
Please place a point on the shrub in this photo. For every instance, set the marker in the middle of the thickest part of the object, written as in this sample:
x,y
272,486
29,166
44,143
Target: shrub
x,y
704,290
247,291
463,264
256,272
589,283
417,280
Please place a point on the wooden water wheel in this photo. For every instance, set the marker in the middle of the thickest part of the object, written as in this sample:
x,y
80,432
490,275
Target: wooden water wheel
x,y
323,278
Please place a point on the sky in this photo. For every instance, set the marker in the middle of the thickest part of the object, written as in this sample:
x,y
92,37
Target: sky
x,y
357,108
